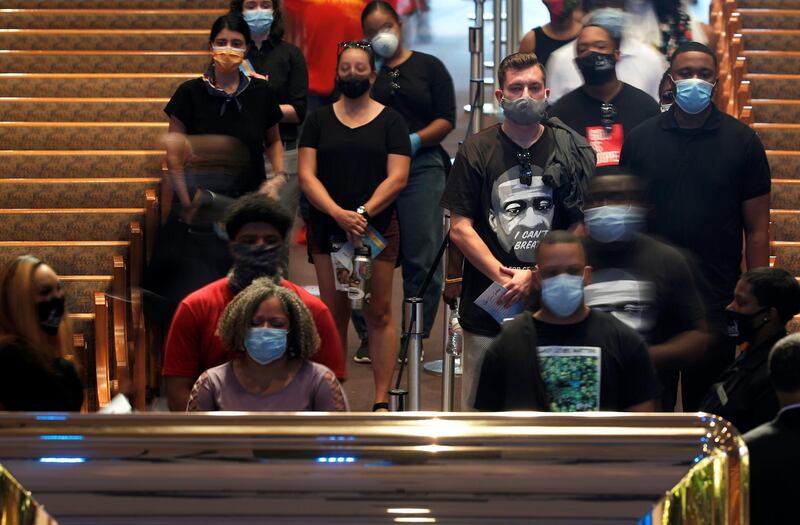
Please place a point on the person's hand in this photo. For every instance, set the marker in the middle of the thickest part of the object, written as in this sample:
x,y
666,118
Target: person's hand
x,y
272,187
351,222
188,212
451,293
517,286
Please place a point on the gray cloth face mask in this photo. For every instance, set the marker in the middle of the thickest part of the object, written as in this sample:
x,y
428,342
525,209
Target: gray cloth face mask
x,y
524,111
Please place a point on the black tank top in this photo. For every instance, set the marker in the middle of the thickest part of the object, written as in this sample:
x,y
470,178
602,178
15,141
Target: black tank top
x,y
546,45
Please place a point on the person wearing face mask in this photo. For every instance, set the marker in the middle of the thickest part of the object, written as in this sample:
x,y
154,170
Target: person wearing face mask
x,y
419,87
604,109
562,29
566,356
284,68
643,282
638,63
765,300
257,226
708,184
35,340
272,335
509,185
354,162
666,96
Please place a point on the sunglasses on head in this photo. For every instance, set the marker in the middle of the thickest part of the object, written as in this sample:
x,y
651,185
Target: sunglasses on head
x,y
354,44
667,97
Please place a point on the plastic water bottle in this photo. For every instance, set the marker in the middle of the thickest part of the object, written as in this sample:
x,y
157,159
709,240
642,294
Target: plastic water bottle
x,y
358,292
456,335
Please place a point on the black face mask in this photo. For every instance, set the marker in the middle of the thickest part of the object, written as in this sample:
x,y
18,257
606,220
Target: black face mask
x,y
596,68
740,326
352,87
50,314
251,262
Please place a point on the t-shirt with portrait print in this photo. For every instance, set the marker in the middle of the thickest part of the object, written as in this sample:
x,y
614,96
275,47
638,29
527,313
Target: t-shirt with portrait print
x,y
511,214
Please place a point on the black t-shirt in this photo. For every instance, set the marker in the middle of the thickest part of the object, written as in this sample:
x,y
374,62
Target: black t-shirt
x,y
351,162
199,111
287,75
420,89
646,284
484,185
697,180
598,363
26,385
582,113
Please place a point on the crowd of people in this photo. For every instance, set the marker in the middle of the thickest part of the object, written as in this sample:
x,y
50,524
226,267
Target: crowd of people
x,y
604,223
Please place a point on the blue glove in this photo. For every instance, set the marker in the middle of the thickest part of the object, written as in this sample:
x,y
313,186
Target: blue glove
x,y
416,143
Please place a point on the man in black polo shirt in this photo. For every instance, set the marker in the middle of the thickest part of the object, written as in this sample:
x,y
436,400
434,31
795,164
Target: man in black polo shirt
x,y
509,185
603,109
566,357
708,183
643,282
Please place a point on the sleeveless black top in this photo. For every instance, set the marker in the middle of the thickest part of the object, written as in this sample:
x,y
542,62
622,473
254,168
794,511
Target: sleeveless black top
x,y
546,45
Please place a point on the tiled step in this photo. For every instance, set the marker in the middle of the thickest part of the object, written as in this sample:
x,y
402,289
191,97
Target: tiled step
x,y
774,86
103,224
109,19
772,39
770,18
775,62
153,85
769,4
81,135
79,291
47,109
776,111
788,255
104,62
785,194
36,164
785,225
115,4
68,257
784,164
779,136
75,193
104,39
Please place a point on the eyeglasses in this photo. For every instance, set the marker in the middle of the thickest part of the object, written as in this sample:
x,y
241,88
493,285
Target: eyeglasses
x,y
394,74
525,172
354,44
608,114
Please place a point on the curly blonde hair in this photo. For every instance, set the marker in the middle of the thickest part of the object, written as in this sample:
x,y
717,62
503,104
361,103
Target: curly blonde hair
x,y
236,320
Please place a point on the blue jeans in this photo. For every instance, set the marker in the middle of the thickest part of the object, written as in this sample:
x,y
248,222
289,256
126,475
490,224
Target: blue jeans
x,y
421,234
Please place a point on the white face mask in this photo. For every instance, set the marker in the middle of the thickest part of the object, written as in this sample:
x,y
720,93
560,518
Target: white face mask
x,y
385,44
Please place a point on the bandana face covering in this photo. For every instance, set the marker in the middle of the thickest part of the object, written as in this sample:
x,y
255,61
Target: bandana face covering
x,y
252,262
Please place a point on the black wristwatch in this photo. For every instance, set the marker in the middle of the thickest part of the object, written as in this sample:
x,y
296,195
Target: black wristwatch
x,y
361,210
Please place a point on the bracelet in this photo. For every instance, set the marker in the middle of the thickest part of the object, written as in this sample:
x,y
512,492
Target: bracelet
x,y
454,280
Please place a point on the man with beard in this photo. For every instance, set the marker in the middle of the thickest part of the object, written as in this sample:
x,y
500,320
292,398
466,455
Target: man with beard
x,y
509,185
257,226
604,109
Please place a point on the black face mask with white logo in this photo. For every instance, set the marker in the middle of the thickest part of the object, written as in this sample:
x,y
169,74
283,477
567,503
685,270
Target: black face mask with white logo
x,y
740,326
51,312
596,68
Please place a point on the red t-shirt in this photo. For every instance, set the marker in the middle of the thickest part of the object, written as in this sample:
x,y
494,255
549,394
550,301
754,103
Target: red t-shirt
x,y
193,347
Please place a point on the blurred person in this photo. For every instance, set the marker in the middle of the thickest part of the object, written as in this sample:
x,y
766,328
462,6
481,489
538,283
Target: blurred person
x,y
284,68
639,64
774,461
643,282
667,24
257,226
35,341
708,184
419,87
765,300
224,101
354,162
273,336
510,184
584,359
562,29
604,109
666,96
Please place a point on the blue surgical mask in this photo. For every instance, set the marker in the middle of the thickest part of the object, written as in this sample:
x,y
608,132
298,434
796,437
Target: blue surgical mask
x,y
259,20
265,345
614,222
563,294
692,94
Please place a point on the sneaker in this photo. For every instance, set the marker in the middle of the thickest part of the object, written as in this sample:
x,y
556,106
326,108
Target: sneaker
x,y
403,358
362,354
